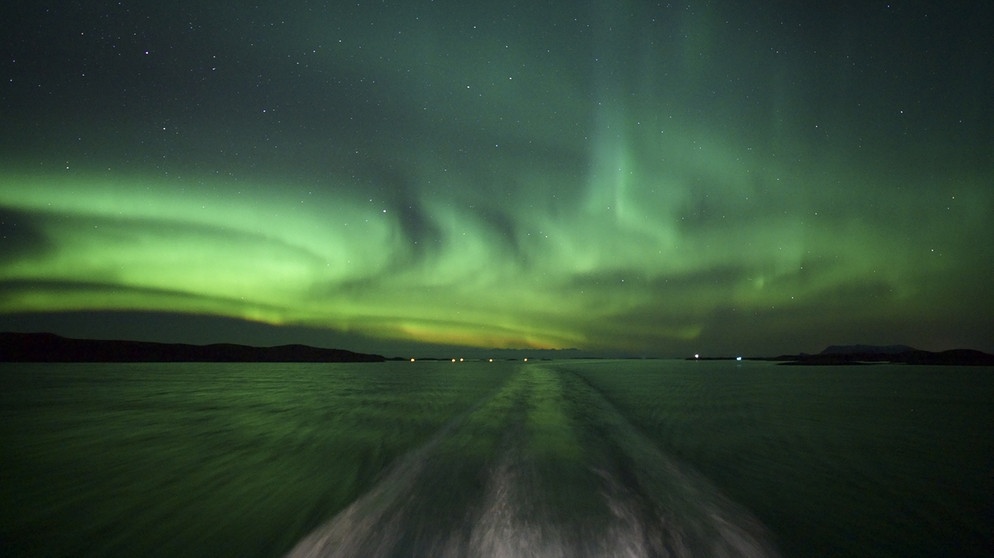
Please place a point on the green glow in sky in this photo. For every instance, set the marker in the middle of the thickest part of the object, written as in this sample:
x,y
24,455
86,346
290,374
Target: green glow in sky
x,y
612,177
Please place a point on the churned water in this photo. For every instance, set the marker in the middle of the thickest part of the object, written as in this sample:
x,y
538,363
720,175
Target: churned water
x,y
549,458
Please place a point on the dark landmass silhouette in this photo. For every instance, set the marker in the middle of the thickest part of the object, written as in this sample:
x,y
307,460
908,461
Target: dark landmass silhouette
x,y
894,354
48,347
867,349
836,355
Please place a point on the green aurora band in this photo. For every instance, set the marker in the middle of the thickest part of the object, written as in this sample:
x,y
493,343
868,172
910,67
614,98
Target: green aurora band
x,y
512,199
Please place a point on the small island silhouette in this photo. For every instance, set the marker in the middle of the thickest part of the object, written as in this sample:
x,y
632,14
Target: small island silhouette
x,y
48,347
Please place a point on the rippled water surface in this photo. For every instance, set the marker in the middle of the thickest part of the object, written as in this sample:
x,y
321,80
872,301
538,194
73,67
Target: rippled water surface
x,y
554,458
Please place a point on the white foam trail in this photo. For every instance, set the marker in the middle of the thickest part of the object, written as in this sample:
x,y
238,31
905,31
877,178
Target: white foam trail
x,y
650,506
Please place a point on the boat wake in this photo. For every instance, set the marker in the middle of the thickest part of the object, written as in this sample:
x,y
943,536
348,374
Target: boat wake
x,y
546,468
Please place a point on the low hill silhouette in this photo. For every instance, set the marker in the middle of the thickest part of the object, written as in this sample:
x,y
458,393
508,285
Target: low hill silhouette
x,y
48,347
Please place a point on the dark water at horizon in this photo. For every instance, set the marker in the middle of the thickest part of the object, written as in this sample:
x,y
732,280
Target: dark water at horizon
x,y
557,458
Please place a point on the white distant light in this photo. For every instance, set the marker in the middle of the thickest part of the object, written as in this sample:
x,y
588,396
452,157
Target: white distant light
x,y
412,359
526,359
697,355
453,360
491,360
738,358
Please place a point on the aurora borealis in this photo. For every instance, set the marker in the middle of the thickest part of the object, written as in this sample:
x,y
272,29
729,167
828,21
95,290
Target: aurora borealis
x,y
642,178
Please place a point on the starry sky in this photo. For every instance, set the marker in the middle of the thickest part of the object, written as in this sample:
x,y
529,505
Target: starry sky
x,y
621,177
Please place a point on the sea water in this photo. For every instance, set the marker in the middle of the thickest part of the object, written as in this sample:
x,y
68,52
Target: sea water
x,y
547,458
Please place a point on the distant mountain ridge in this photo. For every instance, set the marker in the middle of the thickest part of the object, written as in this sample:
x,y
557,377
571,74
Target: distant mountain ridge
x,y
866,349
48,347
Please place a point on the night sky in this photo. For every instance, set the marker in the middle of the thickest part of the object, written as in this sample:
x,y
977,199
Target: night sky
x,y
631,178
